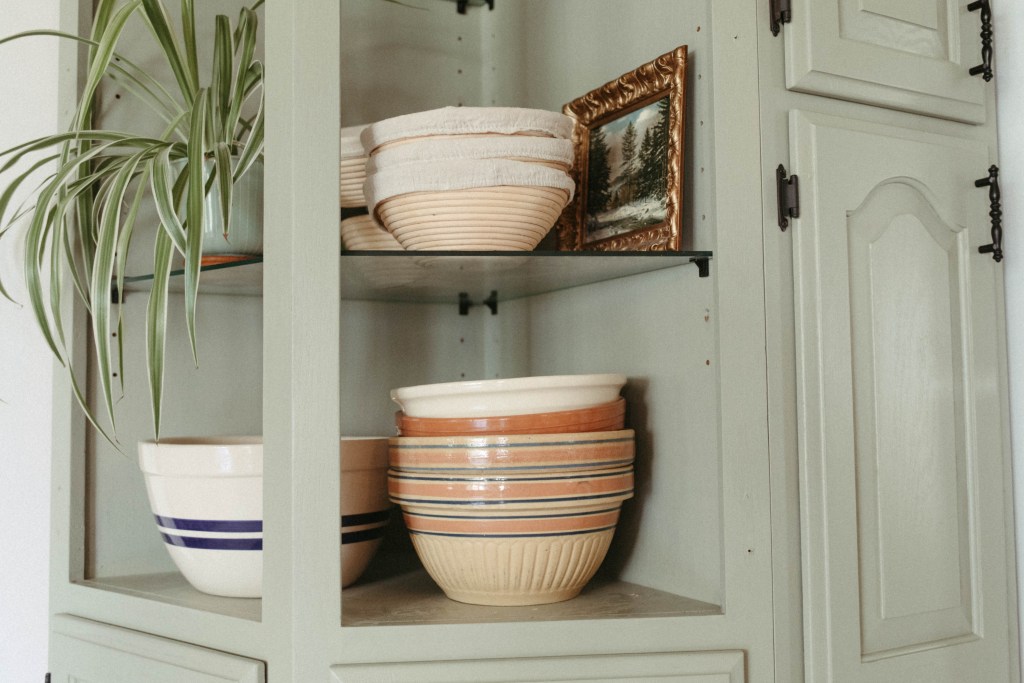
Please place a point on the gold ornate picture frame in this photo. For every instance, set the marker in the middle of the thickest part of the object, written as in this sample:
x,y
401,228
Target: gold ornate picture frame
x,y
629,161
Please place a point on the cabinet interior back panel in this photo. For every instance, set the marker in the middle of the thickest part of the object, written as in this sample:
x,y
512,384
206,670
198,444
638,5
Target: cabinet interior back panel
x,y
659,330
222,397
389,345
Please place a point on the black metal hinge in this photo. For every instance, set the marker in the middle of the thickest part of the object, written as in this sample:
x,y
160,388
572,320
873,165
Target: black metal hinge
x,y
788,190
781,13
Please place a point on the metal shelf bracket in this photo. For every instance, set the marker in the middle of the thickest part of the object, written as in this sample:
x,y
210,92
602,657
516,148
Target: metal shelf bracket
x,y
491,302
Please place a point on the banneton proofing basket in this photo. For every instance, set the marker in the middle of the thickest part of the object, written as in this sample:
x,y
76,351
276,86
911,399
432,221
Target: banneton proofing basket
x,y
361,233
467,194
556,153
352,168
467,121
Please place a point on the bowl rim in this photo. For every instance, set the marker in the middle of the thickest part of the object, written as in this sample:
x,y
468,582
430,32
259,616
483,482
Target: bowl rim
x,y
479,386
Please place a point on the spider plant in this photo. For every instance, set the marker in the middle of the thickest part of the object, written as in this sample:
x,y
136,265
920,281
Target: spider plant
x,y
90,183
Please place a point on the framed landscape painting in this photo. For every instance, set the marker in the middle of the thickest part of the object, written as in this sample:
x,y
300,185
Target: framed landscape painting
x,y
629,161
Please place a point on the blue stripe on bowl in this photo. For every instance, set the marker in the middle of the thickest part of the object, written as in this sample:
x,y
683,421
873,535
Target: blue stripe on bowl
x,y
401,475
507,501
362,535
362,518
514,516
221,525
522,535
214,543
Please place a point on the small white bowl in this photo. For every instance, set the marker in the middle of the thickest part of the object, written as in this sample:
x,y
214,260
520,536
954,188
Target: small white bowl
x,y
207,497
510,396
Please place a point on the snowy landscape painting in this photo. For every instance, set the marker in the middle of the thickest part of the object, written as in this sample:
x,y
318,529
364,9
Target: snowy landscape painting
x,y
629,147
627,172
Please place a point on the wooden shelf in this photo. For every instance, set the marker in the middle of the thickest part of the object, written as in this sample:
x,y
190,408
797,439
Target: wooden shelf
x,y
413,598
171,588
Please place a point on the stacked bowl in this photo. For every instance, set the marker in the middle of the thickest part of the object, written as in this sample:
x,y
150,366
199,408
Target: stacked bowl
x,y
511,489
358,232
469,178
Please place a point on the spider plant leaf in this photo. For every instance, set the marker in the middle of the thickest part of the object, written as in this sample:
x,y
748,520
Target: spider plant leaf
x,y
160,26
245,46
225,182
195,214
15,183
163,195
100,59
188,30
253,147
103,277
124,242
220,82
156,324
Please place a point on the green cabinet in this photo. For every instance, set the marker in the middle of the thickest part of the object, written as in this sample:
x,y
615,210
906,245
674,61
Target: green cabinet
x,y
85,651
750,552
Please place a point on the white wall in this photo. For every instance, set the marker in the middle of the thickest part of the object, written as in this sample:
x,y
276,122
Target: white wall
x,y
28,108
28,104
1008,21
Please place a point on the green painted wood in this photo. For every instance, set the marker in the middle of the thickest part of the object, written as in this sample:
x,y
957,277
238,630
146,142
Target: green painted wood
x,y
913,55
683,667
86,651
899,551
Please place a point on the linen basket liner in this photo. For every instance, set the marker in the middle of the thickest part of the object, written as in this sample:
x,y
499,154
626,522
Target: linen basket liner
x,y
467,120
460,174
350,146
497,147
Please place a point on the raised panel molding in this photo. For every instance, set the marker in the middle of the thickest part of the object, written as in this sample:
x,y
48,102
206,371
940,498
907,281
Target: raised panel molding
x,y
912,457
84,650
902,456
910,55
664,667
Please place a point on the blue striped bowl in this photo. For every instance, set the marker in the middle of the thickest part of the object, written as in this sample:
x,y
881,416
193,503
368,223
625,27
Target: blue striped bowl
x,y
207,497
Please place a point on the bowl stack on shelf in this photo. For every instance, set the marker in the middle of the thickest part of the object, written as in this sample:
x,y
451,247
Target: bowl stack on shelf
x,y
469,178
511,489
358,232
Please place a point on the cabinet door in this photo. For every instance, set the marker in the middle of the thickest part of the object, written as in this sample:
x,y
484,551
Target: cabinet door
x,y
912,55
83,651
901,392
685,667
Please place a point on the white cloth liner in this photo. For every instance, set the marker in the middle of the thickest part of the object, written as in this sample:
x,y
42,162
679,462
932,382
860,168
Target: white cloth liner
x,y
491,147
467,120
460,174
350,146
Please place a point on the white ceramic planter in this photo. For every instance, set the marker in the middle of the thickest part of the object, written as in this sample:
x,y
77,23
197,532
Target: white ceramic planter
x,y
245,236
365,507
207,497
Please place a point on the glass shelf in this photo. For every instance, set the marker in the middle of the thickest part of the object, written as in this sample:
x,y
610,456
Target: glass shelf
x,y
440,277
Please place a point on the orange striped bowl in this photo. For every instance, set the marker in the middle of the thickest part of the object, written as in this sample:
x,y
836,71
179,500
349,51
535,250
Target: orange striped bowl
x,y
512,558
534,490
497,454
